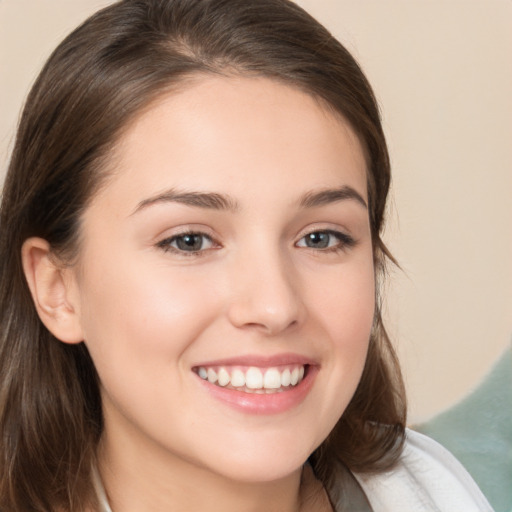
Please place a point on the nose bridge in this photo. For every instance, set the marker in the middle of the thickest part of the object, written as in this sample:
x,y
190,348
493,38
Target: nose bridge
x,y
265,290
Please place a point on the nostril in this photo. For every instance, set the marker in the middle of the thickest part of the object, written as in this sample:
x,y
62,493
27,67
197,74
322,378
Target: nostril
x,y
270,327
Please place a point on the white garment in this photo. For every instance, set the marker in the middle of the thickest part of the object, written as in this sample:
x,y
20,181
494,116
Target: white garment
x,y
427,478
100,491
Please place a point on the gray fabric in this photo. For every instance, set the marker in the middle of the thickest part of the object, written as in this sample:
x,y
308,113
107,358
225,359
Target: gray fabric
x,y
347,495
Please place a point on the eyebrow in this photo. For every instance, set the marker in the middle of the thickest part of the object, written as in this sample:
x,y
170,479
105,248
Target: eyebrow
x,y
216,201
207,200
331,195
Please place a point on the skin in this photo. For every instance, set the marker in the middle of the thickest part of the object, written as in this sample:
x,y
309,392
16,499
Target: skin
x,y
150,313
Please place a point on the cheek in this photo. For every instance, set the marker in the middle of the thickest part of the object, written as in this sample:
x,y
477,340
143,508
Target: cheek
x,y
345,312
345,303
139,316
354,325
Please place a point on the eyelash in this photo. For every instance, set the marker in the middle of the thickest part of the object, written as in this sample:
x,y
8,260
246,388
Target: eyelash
x,y
344,242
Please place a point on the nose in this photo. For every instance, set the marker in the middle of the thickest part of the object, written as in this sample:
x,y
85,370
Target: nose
x,y
265,294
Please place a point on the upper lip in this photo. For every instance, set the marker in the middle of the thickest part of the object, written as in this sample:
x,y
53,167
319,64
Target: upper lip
x,y
260,361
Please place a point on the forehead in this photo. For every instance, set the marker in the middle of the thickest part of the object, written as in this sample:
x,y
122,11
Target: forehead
x,y
235,132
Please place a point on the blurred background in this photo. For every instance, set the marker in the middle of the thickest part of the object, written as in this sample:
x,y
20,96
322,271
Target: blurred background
x,y
442,72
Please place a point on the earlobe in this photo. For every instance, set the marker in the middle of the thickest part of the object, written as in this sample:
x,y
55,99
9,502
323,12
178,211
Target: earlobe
x,y
51,288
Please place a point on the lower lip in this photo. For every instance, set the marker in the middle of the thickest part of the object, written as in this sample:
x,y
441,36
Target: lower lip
x,y
273,403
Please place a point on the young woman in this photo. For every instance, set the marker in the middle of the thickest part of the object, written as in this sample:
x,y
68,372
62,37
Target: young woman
x,y
190,257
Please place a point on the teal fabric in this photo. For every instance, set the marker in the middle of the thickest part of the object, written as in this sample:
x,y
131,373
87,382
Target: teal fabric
x,y
478,431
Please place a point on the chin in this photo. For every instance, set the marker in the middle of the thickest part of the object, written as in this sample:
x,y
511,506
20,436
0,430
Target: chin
x,y
272,471
260,464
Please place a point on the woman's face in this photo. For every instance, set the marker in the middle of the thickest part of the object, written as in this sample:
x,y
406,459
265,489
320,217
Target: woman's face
x,y
225,288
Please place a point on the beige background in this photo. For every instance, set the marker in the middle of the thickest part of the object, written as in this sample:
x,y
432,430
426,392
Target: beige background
x,y
442,72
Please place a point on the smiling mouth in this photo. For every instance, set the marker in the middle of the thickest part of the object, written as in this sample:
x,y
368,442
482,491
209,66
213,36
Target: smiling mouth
x,y
253,379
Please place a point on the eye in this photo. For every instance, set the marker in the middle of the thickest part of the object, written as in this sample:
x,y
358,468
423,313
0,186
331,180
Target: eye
x,y
326,240
187,243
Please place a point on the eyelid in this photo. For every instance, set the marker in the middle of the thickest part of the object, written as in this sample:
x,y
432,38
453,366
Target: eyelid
x,y
326,227
184,229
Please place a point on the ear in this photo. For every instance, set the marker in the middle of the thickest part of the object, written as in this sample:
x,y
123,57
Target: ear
x,y
53,290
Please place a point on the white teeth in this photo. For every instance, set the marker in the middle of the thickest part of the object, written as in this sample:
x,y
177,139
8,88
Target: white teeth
x,y
272,379
286,377
224,377
212,376
254,378
238,379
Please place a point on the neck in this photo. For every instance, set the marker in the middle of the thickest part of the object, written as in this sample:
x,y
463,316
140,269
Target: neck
x,y
136,483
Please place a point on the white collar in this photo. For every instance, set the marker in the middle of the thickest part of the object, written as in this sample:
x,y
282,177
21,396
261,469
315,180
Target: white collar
x,y
100,491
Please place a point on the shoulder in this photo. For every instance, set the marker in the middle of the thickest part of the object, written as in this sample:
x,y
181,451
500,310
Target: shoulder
x,y
427,478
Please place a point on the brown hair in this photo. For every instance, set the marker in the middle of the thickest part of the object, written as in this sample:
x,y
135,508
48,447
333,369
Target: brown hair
x,y
97,80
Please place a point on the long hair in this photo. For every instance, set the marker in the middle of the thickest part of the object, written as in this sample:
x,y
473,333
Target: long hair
x,y
99,79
